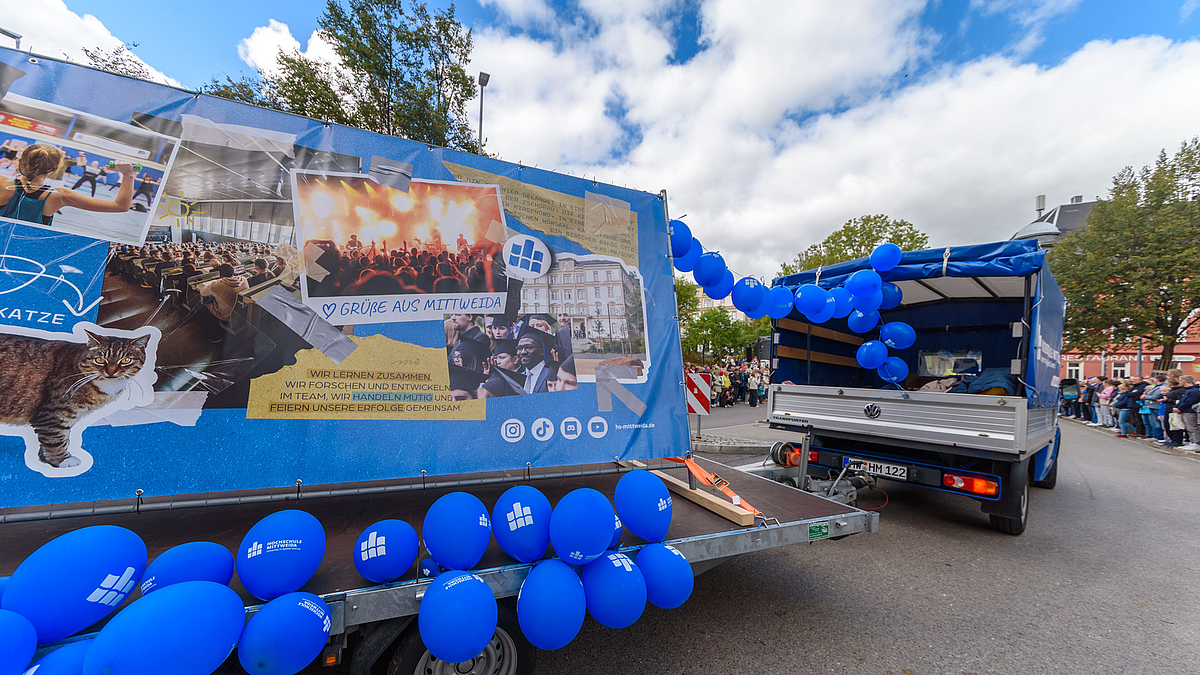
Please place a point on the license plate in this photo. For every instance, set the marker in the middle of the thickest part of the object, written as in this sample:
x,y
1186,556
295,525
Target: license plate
x,y
893,471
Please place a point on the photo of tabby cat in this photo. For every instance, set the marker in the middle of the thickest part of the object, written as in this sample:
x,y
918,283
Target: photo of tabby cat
x,y
57,384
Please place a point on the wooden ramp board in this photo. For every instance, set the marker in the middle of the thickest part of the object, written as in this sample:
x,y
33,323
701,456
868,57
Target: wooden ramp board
x,y
346,516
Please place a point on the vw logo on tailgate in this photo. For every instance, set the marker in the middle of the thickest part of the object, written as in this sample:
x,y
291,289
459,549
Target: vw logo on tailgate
x,y
872,411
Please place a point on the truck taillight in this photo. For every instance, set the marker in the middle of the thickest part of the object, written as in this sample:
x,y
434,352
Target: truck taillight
x,y
978,486
812,456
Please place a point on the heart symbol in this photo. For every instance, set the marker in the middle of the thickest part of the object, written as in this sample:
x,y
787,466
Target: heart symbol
x,y
328,309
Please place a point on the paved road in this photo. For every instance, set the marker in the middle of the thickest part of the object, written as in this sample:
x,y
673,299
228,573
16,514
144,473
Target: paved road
x,y
1103,581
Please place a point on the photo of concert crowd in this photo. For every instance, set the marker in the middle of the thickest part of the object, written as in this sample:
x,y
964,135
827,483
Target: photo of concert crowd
x,y
361,238
492,356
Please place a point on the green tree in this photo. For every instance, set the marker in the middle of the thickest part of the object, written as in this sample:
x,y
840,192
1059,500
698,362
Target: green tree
x,y
715,334
856,239
687,299
401,72
120,60
633,309
1131,273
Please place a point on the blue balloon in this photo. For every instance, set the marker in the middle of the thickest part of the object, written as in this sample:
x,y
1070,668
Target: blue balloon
x,y
195,561
843,302
457,617
781,302
826,311
66,660
898,335
615,590
710,268
681,238
618,530
669,576
811,298
644,505
522,522
893,370
581,526
385,551
868,303
721,289
457,531
687,261
3,584
885,257
285,635
76,579
18,642
188,628
748,294
861,323
871,354
551,605
864,282
760,311
280,553
892,295
430,569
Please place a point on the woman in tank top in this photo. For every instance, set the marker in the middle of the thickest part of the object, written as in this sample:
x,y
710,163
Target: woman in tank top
x,y
28,198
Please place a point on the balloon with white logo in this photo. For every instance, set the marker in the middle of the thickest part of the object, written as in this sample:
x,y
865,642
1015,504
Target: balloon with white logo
x,y
893,295
898,335
457,530
615,590
581,526
457,618
710,268
668,575
385,551
618,530
188,628
644,505
681,238
76,579
280,553
843,302
551,605
194,561
780,302
66,660
285,635
749,294
861,322
521,522
18,642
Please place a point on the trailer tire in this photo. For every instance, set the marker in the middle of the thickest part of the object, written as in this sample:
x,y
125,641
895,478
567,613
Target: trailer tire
x,y
509,653
1013,526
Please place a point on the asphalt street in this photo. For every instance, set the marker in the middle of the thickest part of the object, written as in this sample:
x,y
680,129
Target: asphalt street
x,y
1104,580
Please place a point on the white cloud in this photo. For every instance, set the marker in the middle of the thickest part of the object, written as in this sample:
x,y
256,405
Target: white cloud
x,y
50,28
1187,8
261,49
1032,15
522,12
961,153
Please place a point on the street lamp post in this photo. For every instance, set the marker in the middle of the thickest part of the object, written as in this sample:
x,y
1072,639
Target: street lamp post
x,y
483,82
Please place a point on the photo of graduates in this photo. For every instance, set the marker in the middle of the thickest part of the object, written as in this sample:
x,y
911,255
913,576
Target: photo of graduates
x,y
367,239
498,355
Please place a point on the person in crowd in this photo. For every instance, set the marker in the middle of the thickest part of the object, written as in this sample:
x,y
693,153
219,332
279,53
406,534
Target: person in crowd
x,y
752,383
565,378
1106,395
224,292
1186,406
1149,407
531,356
1173,420
464,383
470,354
28,197
1123,404
460,326
261,274
504,378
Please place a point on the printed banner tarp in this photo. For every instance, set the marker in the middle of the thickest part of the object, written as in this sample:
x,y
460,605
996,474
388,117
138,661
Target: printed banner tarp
x,y
198,295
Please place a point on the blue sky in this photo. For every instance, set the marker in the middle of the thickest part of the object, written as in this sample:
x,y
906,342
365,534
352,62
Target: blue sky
x,y
769,122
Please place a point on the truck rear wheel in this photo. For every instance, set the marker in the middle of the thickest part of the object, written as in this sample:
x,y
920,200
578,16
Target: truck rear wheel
x,y
509,653
1014,526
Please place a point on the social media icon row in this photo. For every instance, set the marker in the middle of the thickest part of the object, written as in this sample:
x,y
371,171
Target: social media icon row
x,y
542,429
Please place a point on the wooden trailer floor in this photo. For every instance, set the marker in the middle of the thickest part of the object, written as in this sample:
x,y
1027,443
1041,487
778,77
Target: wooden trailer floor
x,y
346,516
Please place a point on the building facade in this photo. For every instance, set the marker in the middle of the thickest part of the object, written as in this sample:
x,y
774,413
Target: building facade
x,y
590,295
726,303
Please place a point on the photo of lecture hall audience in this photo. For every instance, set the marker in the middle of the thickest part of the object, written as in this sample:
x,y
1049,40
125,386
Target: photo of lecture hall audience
x,y
357,268
492,356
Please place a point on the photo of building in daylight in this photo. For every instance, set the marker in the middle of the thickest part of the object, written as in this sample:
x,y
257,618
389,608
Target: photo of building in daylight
x,y
596,297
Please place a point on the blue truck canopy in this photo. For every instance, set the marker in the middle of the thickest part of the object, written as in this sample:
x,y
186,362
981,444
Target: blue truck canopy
x,y
958,298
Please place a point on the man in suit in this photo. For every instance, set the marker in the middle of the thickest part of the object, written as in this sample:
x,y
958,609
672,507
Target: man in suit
x,y
532,349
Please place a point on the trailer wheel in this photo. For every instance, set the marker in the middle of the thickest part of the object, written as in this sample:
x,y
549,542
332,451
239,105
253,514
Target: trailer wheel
x,y
1014,526
509,653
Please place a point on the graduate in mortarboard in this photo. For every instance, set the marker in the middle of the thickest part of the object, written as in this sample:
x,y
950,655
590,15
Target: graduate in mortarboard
x,y
533,352
464,383
469,354
541,322
505,378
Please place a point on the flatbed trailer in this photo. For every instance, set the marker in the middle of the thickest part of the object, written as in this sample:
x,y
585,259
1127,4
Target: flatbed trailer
x,y
370,621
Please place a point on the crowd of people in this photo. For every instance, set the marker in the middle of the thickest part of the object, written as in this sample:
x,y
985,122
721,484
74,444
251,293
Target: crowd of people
x,y
491,356
359,268
1163,407
735,382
